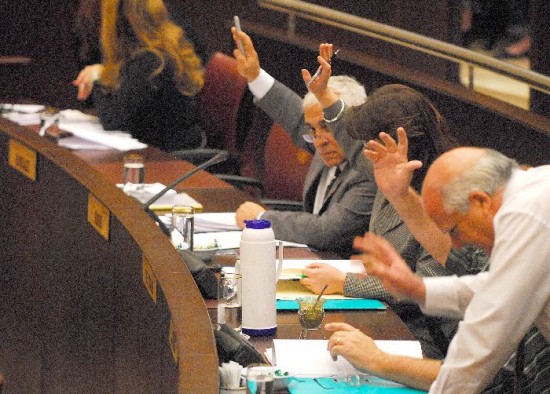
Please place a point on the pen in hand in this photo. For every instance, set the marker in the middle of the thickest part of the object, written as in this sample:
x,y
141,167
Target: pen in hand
x,y
318,72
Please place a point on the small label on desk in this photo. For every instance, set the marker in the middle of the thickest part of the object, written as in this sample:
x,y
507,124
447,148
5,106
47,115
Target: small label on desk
x,y
23,159
98,216
173,340
149,279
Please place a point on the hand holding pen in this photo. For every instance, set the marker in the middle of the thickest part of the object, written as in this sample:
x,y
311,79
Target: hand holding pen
x,y
325,51
248,63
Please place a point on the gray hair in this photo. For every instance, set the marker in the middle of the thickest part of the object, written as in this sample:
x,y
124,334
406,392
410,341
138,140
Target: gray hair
x,y
491,172
347,88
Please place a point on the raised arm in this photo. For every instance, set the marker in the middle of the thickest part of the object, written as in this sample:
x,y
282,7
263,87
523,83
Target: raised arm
x,y
248,64
382,260
319,87
393,174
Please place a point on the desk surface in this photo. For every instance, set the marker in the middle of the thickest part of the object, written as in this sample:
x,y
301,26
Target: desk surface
x,y
218,196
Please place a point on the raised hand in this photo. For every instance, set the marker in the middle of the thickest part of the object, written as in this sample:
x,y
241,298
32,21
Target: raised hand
x,y
381,260
392,170
319,85
248,64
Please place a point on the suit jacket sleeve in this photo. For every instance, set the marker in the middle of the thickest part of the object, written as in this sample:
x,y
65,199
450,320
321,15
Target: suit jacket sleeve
x,y
285,107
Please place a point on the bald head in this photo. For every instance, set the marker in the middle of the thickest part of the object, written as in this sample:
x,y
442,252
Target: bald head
x,y
444,170
462,193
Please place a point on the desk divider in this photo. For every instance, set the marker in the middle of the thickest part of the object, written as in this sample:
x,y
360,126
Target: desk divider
x,y
75,313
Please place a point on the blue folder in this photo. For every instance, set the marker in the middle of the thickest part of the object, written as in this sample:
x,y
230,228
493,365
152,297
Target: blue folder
x,y
336,304
329,385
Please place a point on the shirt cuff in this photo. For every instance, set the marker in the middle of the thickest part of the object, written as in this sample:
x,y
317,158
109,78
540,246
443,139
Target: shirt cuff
x,y
261,85
438,296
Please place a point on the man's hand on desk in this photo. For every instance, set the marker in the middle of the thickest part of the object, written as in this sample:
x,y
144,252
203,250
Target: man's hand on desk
x,y
85,80
317,275
356,347
248,211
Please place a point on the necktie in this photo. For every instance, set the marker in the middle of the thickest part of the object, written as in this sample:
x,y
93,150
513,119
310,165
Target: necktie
x,y
325,183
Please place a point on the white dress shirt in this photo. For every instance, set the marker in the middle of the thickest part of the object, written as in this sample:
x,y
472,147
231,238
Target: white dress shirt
x,y
499,306
261,85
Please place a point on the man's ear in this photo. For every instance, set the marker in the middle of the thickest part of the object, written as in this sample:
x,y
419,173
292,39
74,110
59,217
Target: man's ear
x,y
480,199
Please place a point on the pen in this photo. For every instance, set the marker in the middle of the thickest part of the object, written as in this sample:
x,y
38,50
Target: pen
x,y
318,72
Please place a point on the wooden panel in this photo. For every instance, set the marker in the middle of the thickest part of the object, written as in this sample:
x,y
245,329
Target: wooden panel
x,y
75,315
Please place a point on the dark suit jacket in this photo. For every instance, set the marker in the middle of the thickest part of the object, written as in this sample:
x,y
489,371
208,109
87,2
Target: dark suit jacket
x,y
348,202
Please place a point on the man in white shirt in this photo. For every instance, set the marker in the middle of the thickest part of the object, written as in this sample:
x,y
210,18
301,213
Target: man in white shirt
x,y
476,197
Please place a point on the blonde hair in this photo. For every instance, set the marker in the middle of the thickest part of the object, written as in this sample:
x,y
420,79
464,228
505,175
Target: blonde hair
x,y
132,27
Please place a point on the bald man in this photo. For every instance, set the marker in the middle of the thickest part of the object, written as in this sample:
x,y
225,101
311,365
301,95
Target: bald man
x,y
482,198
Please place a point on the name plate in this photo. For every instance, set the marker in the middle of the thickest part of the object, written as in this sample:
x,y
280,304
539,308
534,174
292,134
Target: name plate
x,y
149,279
173,341
23,159
98,216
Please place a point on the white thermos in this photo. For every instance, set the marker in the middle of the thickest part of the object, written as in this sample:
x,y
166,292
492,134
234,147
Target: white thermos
x,y
259,278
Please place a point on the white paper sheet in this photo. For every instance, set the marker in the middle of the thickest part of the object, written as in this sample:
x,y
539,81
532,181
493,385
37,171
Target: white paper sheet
x,y
310,358
23,119
77,143
292,269
89,128
25,108
218,221
227,239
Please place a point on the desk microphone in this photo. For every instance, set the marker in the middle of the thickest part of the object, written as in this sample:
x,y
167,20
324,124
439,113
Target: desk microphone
x,y
204,277
221,156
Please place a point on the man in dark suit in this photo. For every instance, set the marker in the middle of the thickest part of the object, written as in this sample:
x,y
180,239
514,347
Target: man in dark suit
x,y
338,196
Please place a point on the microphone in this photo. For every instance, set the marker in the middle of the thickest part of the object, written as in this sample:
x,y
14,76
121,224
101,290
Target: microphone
x,y
221,156
204,277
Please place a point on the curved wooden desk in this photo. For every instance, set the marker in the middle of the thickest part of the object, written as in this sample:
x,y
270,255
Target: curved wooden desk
x,y
82,311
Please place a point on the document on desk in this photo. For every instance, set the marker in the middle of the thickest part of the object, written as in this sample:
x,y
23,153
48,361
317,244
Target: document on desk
x,y
226,239
216,221
89,128
289,287
310,358
292,269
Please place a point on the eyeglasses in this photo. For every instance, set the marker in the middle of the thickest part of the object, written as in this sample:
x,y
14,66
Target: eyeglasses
x,y
316,132
339,382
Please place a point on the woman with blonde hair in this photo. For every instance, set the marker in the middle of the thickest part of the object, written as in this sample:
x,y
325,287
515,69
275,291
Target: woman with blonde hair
x,y
148,78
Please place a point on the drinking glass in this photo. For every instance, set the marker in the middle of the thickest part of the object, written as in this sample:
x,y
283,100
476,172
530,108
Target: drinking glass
x,y
133,175
183,226
49,118
311,314
229,301
260,379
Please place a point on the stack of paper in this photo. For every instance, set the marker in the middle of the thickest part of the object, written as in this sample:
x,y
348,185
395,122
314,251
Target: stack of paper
x,y
310,358
288,287
144,192
89,128
222,221
292,269
23,114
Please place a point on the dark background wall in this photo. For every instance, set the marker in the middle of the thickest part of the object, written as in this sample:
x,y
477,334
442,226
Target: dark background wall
x,y
42,30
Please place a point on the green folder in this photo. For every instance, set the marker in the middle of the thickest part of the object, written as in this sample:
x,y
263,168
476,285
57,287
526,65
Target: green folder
x,y
336,304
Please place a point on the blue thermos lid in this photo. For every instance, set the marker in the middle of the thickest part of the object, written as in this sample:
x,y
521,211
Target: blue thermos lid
x,y
257,224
